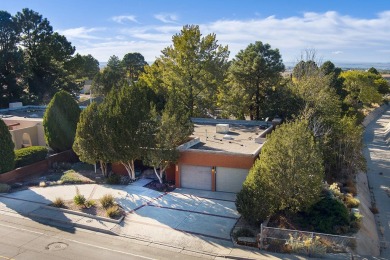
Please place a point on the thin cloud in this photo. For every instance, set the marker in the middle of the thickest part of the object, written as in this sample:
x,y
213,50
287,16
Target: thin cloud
x,y
330,33
123,18
166,18
81,33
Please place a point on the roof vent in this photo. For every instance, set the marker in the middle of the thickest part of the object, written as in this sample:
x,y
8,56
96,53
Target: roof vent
x,y
228,137
222,128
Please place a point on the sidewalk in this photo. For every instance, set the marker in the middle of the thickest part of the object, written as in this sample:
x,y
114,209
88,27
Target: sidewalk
x,y
377,154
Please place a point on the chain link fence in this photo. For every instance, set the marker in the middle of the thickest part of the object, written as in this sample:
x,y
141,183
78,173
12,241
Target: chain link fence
x,y
311,243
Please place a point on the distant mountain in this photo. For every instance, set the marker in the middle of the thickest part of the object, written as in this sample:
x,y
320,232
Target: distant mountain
x,y
343,65
346,65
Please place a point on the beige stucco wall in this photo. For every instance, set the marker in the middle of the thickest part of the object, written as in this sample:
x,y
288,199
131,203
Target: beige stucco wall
x,y
31,126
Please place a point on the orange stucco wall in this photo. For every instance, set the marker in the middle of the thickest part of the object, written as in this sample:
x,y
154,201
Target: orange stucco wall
x,y
216,159
118,169
200,158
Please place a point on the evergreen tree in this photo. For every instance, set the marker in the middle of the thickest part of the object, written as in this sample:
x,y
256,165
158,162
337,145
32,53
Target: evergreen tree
x,y
193,67
171,130
133,64
60,121
91,142
11,61
127,125
288,176
7,154
252,74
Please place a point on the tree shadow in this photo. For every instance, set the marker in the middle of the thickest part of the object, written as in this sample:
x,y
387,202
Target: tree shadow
x,y
30,204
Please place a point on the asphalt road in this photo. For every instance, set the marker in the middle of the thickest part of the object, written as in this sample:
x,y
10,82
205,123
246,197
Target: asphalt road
x,y
26,239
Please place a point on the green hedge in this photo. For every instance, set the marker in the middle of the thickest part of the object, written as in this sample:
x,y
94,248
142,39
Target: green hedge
x,y
29,155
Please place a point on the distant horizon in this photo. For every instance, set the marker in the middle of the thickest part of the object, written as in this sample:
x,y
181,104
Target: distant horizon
x,y
343,65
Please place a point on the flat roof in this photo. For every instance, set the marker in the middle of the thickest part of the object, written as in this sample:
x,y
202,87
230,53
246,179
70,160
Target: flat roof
x,y
24,112
241,136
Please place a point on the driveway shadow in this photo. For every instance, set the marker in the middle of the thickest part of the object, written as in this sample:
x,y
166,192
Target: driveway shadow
x,y
28,203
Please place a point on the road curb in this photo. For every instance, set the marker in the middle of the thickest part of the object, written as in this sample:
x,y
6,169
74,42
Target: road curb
x,y
74,224
116,221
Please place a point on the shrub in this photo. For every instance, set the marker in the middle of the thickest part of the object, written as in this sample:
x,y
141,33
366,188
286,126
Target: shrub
x,y
113,211
351,202
7,155
79,199
60,121
351,187
90,203
243,232
113,179
335,191
29,155
248,206
356,220
71,177
107,201
58,202
329,215
80,166
4,188
307,245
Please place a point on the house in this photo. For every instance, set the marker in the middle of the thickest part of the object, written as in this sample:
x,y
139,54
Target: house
x,y
219,155
24,124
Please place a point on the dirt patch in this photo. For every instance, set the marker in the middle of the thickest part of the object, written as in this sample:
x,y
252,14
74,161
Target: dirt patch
x,y
245,229
82,174
156,185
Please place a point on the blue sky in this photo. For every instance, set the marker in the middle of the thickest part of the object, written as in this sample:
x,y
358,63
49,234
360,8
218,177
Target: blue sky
x,y
341,31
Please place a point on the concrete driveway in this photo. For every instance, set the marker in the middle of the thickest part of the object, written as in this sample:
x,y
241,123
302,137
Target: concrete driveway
x,y
184,218
192,211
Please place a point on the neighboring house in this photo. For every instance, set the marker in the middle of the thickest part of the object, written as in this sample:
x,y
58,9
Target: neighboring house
x,y
24,124
86,87
25,132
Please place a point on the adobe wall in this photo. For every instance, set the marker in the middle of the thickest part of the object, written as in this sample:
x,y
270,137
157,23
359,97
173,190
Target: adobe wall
x,y
19,174
17,136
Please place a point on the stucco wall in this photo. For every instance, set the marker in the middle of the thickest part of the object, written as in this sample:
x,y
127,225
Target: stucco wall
x,y
207,158
33,127
19,174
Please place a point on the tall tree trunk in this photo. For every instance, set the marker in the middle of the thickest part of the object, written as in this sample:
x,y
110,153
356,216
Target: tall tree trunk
x,y
257,106
159,175
103,167
129,165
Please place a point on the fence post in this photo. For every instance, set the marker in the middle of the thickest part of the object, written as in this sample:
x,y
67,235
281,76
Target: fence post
x,y
261,237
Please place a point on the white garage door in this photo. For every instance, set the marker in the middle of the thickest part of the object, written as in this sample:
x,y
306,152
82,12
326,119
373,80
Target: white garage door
x,y
230,179
195,177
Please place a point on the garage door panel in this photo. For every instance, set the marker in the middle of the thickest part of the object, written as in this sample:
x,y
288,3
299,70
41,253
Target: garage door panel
x,y
230,179
195,177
